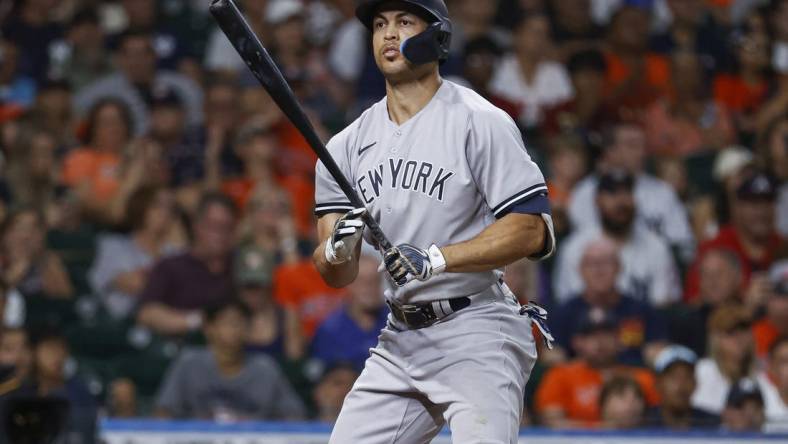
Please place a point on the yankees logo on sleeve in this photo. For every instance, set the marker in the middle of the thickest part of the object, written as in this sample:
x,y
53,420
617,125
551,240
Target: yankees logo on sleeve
x,y
441,177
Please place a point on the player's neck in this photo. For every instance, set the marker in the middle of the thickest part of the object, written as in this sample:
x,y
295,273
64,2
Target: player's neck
x,y
406,99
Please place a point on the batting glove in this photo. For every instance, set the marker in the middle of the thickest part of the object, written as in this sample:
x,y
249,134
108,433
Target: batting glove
x,y
345,236
405,263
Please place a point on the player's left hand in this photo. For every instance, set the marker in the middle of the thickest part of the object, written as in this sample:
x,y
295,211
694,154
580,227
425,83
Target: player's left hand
x,y
405,263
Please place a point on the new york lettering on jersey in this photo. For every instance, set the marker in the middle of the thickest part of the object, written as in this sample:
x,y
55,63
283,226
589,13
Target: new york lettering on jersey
x,y
400,174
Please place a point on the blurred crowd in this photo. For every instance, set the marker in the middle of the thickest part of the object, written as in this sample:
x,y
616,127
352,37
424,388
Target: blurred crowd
x,y
156,208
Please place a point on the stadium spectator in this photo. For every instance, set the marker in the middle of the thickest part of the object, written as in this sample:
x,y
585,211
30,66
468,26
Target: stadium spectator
x,y
720,277
574,29
636,77
774,152
349,332
675,369
773,383
693,28
331,389
568,396
96,171
777,14
269,226
48,378
586,111
17,91
774,324
145,16
527,77
648,272
730,357
32,170
641,328
688,121
273,329
476,20
744,90
751,234
481,56
622,404
120,270
180,286
33,31
744,408
27,265
299,287
136,79
659,209
256,147
16,355
568,163
222,382
52,111
81,58
122,399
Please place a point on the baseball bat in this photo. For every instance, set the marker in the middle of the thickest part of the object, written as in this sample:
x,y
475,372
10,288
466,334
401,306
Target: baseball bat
x,y
237,30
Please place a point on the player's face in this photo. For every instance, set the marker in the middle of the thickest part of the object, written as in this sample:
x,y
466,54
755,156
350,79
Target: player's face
x,y
389,29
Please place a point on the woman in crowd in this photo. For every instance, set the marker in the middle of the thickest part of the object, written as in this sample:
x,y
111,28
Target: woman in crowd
x,y
119,272
27,265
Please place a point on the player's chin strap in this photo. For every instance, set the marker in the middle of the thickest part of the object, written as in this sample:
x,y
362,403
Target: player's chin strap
x,y
539,315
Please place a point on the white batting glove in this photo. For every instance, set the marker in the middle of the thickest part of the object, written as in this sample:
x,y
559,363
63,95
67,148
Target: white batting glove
x,y
345,237
405,263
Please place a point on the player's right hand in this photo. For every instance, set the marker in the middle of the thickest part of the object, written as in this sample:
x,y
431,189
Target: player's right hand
x,y
345,237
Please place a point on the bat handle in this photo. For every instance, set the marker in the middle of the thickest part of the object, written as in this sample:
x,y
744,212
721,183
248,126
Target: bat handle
x,y
377,233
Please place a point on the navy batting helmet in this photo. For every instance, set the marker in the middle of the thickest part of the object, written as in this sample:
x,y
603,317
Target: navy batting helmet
x,y
432,44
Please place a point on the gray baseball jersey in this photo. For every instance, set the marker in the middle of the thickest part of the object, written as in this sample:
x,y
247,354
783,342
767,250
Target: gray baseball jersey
x,y
441,177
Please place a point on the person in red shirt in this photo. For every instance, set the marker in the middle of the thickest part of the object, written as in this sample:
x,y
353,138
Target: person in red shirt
x,y
751,235
569,394
775,323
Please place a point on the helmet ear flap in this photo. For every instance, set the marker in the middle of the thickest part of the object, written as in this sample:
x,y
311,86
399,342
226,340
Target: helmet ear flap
x,y
428,46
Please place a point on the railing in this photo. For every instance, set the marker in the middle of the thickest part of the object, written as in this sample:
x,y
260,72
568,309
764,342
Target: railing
x,y
204,432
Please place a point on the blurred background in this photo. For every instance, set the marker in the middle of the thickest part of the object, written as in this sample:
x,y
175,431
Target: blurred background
x,y
156,222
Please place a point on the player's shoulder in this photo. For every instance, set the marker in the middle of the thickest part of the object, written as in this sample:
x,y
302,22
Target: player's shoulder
x,y
465,100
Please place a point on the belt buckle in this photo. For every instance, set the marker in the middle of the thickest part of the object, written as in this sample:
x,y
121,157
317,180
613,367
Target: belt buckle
x,y
412,315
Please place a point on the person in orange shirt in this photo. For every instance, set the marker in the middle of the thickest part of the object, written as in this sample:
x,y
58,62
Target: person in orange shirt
x,y
775,323
300,287
635,76
689,121
94,169
744,90
257,147
569,394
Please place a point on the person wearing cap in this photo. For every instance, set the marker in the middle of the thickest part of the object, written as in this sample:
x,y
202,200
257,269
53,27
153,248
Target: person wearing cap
x,y
773,383
648,271
744,408
641,328
659,209
81,58
730,357
751,234
224,382
774,323
675,370
568,396
350,331
274,330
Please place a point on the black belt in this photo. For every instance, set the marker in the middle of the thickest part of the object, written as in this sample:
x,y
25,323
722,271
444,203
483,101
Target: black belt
x,y
423,315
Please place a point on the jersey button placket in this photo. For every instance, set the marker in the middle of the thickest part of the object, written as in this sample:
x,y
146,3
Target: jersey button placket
x,y
394,149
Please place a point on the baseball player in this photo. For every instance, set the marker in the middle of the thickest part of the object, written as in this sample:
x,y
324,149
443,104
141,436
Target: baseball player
x,y
448,177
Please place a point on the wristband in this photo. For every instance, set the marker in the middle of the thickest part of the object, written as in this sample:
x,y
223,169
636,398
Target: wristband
x,y
437,260
194,321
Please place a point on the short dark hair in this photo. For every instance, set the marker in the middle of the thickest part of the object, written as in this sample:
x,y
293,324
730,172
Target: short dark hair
x,y
589,59
134,33
617,385
49,333
211,312
138,204
125,113
212,198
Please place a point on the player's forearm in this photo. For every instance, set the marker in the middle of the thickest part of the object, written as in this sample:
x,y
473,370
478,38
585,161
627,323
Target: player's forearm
x,y
509,239
336,275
